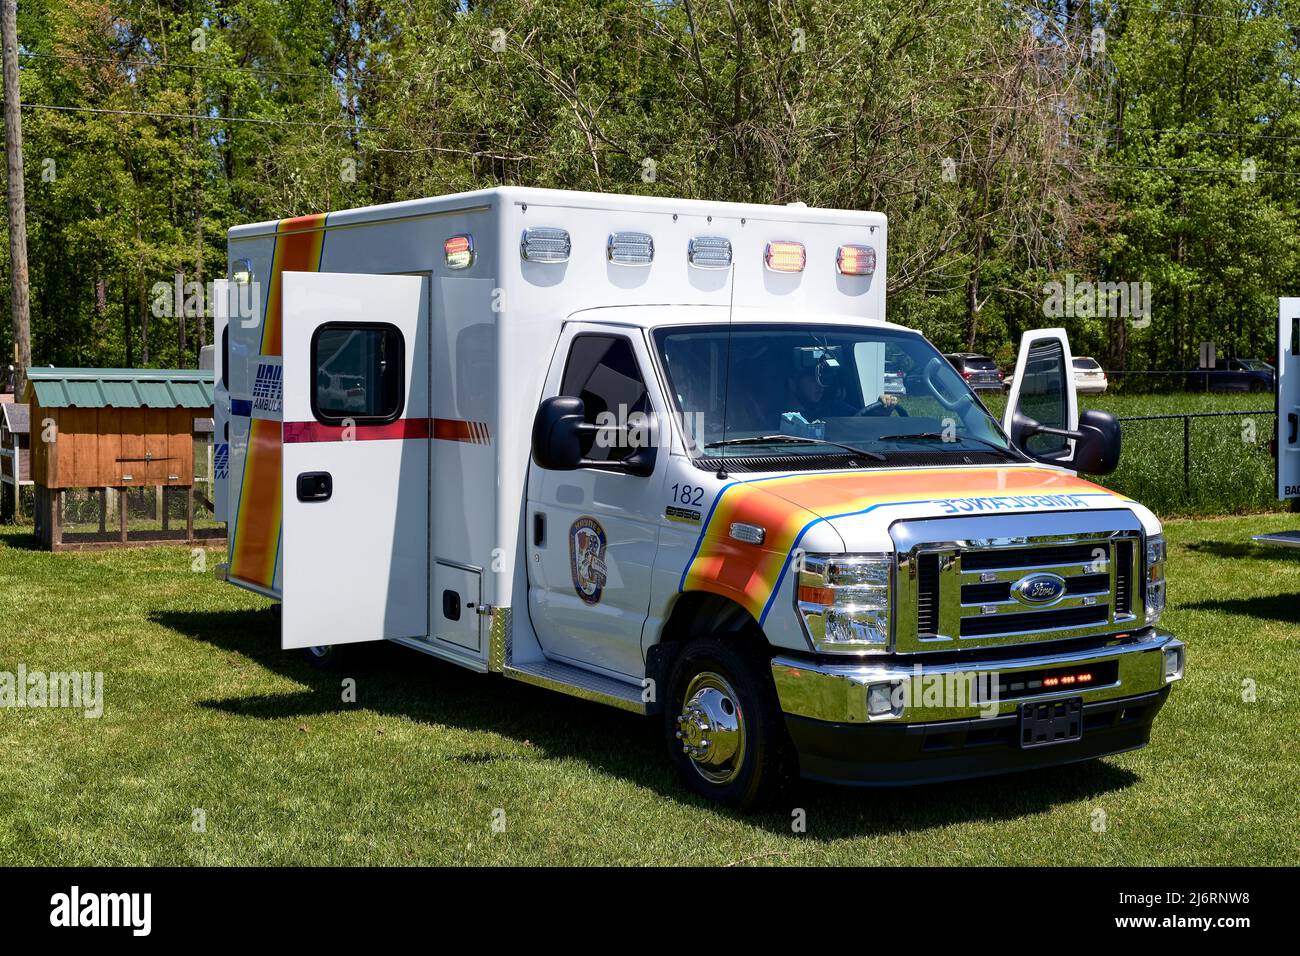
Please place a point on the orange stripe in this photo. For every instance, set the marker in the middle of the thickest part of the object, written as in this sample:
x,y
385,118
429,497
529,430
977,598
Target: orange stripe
x,y
257,537
298,244
748,573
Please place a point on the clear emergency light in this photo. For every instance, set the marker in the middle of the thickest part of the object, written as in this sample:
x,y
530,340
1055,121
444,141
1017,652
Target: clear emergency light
x,y
785,256
630,248
458,251
709,252
856,260
545,244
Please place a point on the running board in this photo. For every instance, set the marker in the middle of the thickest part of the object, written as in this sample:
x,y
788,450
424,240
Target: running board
x,y
1285,539
579,683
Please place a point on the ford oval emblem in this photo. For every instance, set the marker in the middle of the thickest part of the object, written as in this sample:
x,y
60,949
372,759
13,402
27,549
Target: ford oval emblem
x,y
1039,589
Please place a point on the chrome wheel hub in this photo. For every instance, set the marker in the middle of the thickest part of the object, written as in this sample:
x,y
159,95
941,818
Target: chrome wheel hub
x,y
711,728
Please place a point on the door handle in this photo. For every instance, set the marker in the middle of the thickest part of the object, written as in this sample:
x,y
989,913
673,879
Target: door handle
x,y
315,486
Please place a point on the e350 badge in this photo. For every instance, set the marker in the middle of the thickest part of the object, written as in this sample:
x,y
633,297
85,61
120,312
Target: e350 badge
x,y
587,559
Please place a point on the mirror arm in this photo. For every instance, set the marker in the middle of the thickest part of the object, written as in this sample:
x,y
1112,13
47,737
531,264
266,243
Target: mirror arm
x,y
1063,432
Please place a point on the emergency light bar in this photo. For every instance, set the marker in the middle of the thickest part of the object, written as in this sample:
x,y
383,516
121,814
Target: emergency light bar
x,y
458,251
785,256
709,252
856,260
630,248
545,244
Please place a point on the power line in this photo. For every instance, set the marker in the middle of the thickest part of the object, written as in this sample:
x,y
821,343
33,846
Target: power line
x,y
172,64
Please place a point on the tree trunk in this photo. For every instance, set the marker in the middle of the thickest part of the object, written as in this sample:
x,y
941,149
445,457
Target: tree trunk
x,y
20,304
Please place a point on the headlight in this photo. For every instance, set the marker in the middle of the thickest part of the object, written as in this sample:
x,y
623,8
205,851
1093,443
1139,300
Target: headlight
x,y
1155,577
842,601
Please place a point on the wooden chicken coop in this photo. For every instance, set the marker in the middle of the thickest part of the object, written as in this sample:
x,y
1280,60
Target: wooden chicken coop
x,y
111,431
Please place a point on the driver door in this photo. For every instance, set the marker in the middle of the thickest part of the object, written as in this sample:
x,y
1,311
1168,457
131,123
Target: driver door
x,y
593,533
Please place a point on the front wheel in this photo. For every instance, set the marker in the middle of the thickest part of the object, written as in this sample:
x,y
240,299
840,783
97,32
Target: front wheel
x,y
723,724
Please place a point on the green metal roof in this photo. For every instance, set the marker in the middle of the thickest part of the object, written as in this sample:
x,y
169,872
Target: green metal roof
x,y
121,387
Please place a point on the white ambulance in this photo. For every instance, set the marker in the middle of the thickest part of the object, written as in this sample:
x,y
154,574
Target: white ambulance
x,y
669,456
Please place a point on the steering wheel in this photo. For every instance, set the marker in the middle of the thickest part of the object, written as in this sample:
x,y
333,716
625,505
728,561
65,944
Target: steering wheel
x,y
872,410
928,373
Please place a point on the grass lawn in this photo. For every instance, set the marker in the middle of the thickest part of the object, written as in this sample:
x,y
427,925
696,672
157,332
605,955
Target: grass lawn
x,y
203,712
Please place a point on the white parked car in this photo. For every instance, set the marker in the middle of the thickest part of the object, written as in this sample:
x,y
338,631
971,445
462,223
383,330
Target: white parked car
x,y
1089,377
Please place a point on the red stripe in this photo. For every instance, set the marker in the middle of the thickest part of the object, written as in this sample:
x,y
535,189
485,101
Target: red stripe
x,y
316,432
453,429
446,429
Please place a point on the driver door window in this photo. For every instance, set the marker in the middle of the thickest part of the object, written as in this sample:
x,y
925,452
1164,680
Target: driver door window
x,y
602,371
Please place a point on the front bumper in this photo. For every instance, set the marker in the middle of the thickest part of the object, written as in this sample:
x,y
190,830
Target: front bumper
x,y
941,730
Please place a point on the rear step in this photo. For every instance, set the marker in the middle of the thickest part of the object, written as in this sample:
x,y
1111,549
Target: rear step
x,y
1285,539
579,683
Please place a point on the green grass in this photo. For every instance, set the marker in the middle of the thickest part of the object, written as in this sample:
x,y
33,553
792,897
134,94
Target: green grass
x,y
1231,469
204,712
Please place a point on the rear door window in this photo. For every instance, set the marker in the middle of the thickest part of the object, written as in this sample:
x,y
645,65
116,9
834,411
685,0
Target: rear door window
x,y
360,373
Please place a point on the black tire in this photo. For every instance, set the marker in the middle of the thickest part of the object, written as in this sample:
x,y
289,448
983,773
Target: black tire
x,y
329,657
766,763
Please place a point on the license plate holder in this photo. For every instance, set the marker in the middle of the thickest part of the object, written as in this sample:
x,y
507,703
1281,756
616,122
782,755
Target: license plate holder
x,y
1047,722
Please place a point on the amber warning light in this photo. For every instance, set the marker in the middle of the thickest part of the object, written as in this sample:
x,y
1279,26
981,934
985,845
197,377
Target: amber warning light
x,y
1068,680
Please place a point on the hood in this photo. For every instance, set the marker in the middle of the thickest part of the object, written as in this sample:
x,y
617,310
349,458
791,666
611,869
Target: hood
x,y
861,505
852,511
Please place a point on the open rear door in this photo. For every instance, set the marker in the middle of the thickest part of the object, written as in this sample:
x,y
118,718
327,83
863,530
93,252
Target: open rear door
x,y
1043,389
355,533
1288,398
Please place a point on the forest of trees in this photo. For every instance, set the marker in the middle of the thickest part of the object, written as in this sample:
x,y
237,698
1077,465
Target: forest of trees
x,y
1012,144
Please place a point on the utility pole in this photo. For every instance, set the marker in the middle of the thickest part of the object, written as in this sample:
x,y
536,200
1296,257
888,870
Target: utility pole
x,y
18,295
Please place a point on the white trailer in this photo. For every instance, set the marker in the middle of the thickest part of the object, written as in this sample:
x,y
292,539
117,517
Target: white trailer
x,y
644,451
1286,441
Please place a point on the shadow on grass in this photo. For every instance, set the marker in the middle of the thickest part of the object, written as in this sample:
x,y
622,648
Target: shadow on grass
x,y
1265,607
1244,549
21,539
395,681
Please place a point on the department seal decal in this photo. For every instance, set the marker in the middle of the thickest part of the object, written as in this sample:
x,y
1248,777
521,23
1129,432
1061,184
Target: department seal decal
x,y
587,559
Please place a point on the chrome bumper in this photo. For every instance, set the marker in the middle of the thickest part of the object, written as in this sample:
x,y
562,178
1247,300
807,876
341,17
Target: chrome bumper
x,y
837,692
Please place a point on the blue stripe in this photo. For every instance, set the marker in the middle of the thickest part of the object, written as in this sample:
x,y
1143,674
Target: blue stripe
x,y
241,406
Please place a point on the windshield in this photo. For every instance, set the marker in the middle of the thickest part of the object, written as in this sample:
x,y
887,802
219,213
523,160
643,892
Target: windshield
x,y
1086,364
880,390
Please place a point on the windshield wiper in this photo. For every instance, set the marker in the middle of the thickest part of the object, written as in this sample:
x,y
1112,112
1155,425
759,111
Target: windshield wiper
x,y
795,440
939,436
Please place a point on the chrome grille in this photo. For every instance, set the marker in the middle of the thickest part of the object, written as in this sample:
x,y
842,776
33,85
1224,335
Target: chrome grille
x,y
1002,579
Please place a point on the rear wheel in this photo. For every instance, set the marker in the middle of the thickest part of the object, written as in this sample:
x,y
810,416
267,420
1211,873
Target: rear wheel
x,y
723,725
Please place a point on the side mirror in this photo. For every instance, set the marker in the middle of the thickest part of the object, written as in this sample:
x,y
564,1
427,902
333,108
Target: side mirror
x,y
557,427
1097,441
561,433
